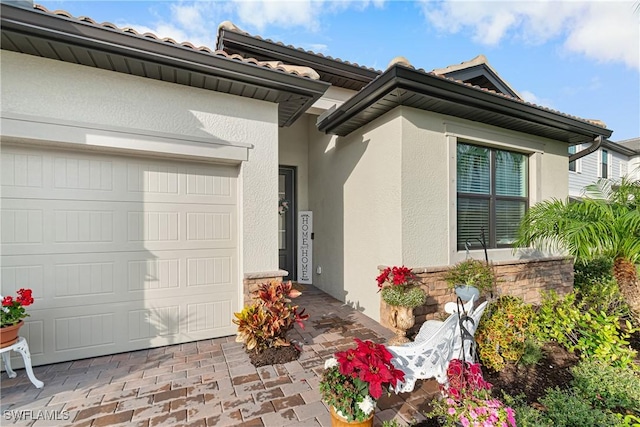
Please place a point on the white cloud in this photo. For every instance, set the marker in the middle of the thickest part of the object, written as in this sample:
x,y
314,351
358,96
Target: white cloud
x,y
534,99
607,31
196,21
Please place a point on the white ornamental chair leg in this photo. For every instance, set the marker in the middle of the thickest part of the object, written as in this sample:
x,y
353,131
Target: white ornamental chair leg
x,y
23,348
7,365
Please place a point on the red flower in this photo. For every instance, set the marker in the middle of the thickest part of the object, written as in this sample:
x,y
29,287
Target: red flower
x,y
398,276
24,297
383,277
7,301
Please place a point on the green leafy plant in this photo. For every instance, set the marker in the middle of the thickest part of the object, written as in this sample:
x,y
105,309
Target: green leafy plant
x,y
593,270
526,416
532,352
566,409
605,223
265,323
354,379
606,386
628,420
594,334
407,296
398,286
503,330
472,272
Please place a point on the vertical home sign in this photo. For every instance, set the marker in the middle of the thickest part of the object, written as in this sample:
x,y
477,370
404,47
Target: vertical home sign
x,y
305,247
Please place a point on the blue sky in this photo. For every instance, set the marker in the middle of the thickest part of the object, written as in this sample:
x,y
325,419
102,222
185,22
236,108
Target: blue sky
x,y
579,57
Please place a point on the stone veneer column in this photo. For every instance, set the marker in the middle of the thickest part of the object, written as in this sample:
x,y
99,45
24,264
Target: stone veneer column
x,y
252,282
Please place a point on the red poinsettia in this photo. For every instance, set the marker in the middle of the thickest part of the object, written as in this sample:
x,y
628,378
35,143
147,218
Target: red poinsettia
x,y
370,363
397,276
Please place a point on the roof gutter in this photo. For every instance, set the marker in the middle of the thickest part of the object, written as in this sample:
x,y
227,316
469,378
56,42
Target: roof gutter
x,y
590,149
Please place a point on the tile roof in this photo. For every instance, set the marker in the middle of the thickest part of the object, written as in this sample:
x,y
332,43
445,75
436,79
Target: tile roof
x,y
273,65
230,26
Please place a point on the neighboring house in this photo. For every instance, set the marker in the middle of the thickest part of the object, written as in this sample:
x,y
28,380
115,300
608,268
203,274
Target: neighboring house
x,y
612,160
140,176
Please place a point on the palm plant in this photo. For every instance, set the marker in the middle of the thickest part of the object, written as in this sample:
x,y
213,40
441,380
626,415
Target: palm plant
x,y
606,222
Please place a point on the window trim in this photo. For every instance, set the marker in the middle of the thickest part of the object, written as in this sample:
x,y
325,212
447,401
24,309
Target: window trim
x,y
492,197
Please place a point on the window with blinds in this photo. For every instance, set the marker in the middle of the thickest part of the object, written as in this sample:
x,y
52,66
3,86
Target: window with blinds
x,y
491,193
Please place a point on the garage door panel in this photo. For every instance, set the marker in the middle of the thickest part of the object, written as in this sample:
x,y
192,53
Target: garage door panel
x,y
121,253
74,279
69,176
60,226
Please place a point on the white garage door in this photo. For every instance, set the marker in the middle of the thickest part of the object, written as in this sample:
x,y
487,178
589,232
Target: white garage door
x,y
122,253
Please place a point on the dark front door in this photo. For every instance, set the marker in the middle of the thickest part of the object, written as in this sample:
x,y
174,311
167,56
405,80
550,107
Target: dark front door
x,y
287,220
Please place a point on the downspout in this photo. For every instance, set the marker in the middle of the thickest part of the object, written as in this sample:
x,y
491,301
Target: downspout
x,y
593,147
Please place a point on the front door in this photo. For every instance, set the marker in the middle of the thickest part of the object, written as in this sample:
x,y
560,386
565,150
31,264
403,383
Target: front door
x,y
287,220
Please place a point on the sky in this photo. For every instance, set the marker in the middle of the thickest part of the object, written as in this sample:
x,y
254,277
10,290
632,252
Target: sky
x,y
578,57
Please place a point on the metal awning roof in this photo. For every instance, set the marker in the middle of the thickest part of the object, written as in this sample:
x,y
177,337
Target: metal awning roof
x,y
403,86
84,42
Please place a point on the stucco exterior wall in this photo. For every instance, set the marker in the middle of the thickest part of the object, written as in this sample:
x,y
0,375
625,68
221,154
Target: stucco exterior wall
x,y
355,194
293,150
47,89
386,194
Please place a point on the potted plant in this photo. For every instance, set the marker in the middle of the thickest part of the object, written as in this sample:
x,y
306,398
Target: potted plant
x,y
471,277
466,399
11,315
401,292
354,379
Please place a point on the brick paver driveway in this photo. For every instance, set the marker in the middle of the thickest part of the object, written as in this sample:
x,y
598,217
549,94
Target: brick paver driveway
x,y
204,383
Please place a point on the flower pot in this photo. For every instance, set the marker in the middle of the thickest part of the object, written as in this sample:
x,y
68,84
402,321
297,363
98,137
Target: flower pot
x,y
338,421
9,334
402,319
466,292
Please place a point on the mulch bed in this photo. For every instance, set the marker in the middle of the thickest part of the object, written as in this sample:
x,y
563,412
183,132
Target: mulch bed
x,y
274,355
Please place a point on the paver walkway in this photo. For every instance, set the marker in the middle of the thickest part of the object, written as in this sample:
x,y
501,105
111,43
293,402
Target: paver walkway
x,y
205,383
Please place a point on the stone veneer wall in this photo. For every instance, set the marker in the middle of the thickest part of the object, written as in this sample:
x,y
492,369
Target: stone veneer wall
x,y
252,282
521,278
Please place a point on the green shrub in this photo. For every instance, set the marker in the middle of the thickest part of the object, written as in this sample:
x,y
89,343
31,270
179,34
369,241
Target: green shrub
x,y
587,272
628,420
566,409
503,330
594,334
526,416
603,295
606,386
532,352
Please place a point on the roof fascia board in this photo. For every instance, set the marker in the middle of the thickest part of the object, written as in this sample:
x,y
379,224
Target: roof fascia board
x,y
77,33
252,45
617,147
421,82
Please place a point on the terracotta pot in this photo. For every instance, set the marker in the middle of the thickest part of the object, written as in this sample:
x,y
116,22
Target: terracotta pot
x,y
9,334
402,319
338,421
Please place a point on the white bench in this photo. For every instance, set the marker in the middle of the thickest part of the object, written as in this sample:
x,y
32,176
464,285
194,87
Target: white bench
x,y
435,345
